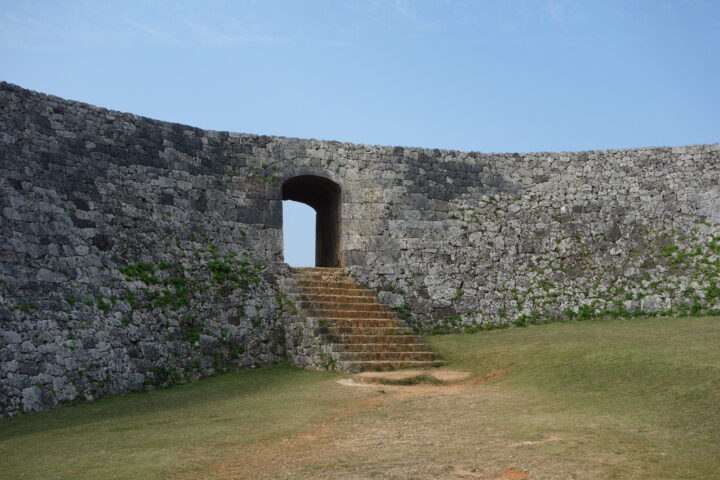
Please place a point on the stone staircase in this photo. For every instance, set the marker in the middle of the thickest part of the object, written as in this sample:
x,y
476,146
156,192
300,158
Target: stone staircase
x,y
358,332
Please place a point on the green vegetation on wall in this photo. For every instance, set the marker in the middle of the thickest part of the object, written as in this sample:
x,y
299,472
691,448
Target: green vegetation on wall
x,y
560,271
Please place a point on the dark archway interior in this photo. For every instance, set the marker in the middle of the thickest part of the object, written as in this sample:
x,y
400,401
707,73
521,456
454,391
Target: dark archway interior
x,y
323,195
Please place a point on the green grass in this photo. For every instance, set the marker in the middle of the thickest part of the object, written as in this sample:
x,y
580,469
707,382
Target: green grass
x,y
148,435
600,399
643,391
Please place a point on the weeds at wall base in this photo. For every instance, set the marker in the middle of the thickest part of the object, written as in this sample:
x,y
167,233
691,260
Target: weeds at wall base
x,y
570,316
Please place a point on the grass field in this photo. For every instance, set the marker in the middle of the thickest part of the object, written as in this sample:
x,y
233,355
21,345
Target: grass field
x,y
625,399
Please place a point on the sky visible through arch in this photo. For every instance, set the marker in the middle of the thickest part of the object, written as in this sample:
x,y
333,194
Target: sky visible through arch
x,y
486,75
298,234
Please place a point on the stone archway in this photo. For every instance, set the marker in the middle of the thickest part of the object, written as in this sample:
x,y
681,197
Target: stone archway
x,y
324,197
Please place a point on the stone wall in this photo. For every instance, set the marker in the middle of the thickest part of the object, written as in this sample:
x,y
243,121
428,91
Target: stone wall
x,y
304,346
133,253
136,253
470,241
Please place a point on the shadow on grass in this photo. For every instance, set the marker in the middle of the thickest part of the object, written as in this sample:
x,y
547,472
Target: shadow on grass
x,y
163,403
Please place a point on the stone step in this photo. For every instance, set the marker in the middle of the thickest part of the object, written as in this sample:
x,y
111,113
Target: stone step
x,y
319,281
321,277
317,269
351,338
379,347
394,331
330,292
324,313
336,299
329,284
382,365
353,322
352,306
309,281
385,356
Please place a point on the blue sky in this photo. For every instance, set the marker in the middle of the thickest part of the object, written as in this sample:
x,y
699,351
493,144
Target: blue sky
x,y
487,75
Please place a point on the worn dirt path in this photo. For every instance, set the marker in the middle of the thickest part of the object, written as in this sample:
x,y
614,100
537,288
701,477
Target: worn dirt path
x,y
384,432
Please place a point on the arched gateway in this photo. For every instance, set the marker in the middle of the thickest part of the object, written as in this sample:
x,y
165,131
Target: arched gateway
x,y
323,196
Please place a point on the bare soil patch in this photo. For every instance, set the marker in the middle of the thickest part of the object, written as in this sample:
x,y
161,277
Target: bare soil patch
x,y
360,436
513,474
411,376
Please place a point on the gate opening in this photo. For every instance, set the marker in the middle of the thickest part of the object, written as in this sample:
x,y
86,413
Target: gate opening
x,y
323,196
298,234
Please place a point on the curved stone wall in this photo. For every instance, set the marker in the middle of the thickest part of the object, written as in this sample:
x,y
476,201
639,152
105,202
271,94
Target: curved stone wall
x,y
136,253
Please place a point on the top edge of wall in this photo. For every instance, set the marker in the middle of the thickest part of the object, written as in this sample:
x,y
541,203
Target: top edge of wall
x,y
10,87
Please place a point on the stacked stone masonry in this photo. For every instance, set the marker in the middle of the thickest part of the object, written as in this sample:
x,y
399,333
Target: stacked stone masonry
x,y
136,253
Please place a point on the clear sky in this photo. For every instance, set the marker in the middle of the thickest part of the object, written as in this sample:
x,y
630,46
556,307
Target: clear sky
x,y
487,75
